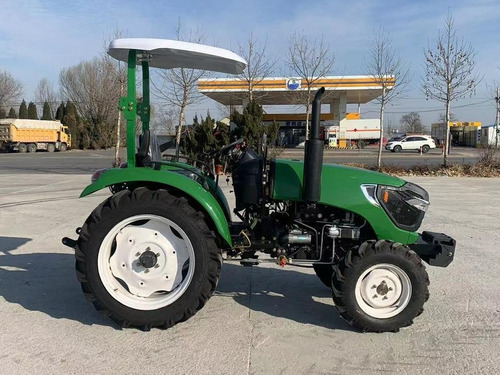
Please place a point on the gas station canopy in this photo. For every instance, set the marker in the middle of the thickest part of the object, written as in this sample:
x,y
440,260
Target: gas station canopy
x,y
285,91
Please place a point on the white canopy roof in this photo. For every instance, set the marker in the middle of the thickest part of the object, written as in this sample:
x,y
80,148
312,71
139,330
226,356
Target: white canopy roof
x,y
168,54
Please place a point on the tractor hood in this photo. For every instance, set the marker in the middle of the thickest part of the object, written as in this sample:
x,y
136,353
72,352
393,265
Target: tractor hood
x,y
341,187
337,183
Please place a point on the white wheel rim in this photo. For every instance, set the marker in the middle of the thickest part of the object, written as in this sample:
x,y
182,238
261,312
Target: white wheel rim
x,y
383,291
146,262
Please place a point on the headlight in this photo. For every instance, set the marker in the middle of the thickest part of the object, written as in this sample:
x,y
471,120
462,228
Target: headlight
x,y
405,205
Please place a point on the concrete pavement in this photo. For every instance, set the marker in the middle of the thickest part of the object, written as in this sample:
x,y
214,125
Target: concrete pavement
x,y
261,320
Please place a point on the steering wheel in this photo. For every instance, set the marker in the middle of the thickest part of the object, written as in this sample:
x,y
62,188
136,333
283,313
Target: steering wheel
x,y
224,150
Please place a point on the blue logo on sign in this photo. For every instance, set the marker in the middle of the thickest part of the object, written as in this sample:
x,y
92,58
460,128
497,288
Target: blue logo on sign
x,y
293,84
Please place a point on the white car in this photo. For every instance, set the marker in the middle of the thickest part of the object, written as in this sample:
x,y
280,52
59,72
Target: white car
x,y
412,142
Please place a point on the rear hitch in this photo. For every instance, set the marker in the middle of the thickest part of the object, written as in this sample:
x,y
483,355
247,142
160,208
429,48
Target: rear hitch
x,y
69,242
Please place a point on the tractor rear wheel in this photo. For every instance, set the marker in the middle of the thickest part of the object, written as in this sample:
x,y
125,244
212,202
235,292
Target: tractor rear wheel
x,y
147,259
32,147
51,147
380,286
22,148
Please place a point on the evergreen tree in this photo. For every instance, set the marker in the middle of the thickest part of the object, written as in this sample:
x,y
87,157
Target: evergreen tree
x,y
47,115
3,113
12,113
79,135
23,110
203,139
32,112
249,126
60,111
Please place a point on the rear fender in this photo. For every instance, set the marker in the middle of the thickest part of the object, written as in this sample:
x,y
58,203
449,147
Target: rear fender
x,y
168,179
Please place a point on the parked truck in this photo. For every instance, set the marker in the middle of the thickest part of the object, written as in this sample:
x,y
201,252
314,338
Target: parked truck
x,y
32,135
352,133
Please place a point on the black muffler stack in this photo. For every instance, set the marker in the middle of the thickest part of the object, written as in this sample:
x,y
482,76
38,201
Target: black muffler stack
x,y
313,155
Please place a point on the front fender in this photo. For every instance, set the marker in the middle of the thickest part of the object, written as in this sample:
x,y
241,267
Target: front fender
x,y
163,177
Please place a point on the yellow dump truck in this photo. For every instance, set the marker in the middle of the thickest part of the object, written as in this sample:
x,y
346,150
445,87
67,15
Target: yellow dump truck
x,y
32,135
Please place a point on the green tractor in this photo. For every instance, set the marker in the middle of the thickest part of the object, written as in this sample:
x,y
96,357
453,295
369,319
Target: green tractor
x,y
151,254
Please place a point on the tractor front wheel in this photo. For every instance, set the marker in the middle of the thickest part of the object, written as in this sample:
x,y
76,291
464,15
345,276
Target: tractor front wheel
x,y
147,259
380,286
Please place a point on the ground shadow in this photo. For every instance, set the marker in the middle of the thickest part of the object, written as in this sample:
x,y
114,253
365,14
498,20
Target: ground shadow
x,y
46,282
12,243
284,293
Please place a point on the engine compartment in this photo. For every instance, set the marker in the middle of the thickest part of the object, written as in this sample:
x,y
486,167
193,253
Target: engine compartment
x,y
298,230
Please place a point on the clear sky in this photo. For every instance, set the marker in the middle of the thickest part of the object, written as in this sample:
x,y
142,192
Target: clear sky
x,y
38,38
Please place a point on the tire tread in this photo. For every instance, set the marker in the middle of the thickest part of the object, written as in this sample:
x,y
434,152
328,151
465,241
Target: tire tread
x,y
127,198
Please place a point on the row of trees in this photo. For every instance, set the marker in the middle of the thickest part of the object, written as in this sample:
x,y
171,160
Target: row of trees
x,y
94,86
28,112
450,72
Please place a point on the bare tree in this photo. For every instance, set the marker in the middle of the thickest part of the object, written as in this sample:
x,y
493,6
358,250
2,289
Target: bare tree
x,y
121,77
450,71
497,116
442,117
93,87
258,66
310,60
494,92
178,87
165,119
10,88
389,127
389,71
44,92
412,123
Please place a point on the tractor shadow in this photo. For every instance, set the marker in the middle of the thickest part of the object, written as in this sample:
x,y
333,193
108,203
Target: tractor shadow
x,y
8,244
291,293
46,282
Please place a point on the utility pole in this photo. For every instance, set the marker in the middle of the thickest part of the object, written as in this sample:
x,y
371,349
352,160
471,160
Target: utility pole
x,y
497,122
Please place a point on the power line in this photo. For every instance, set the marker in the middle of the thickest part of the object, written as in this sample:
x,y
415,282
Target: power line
x,y
434,109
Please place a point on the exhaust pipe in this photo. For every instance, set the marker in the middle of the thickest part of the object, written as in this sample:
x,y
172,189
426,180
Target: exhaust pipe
x,y
313,155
